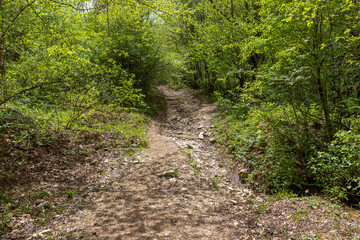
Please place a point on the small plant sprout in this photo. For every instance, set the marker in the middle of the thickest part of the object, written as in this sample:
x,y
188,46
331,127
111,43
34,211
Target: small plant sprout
x,y
300,214
283,193
70,193
5,221
26,208
188,152
176,172
192,163
262,207
215,182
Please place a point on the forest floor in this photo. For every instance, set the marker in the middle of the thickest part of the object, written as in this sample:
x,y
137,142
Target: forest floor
x,y
183,187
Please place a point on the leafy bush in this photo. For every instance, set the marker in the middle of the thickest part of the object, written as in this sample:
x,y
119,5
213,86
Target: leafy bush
x,y
269,142
337,168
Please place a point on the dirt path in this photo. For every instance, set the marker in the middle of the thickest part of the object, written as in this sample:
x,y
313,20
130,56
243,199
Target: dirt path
x,y
164,195
182,188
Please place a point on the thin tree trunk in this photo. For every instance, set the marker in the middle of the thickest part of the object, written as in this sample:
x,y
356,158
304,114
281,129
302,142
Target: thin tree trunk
x,y
107,17
2,61
322,89
321,83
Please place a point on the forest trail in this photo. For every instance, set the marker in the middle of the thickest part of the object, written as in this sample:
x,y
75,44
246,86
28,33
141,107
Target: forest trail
x,y
182,187
166,193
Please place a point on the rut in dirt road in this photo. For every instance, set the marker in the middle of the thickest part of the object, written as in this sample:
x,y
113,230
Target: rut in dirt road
x,y
167,194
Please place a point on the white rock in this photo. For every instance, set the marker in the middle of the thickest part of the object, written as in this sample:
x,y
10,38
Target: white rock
x,y
246,192
201,135
41,205
45,231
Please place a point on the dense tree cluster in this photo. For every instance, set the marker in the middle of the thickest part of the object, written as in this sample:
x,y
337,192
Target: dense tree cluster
x,y
77,51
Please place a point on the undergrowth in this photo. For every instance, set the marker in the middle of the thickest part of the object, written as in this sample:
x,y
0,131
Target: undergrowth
x,y
286,153
50,145
37,125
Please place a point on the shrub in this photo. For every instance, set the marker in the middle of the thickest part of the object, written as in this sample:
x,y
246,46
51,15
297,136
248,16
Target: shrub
x,y
337,168
270,142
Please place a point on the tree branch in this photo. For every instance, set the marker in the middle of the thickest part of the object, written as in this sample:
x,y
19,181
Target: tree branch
x,y
29,89
21,92
14,19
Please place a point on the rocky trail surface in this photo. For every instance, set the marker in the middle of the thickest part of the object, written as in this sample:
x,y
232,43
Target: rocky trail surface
x,y
166,192
181,187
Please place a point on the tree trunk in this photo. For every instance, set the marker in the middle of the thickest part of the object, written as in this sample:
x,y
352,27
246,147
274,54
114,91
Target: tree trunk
x,y
2,61
322,90
107,17
318,73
